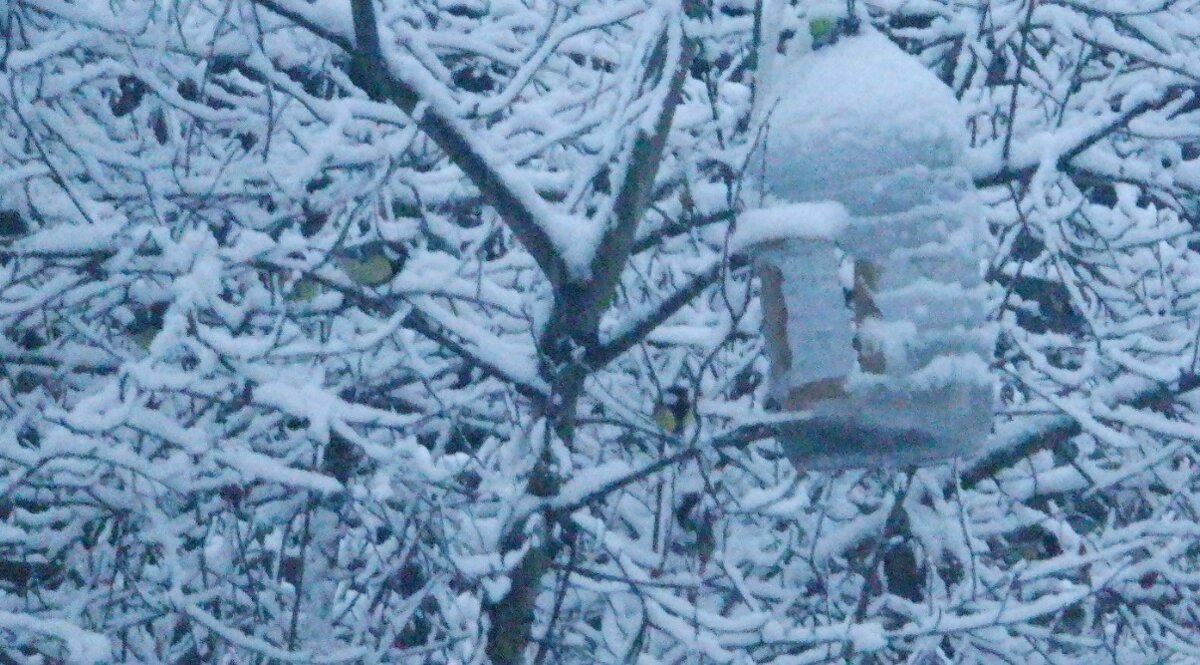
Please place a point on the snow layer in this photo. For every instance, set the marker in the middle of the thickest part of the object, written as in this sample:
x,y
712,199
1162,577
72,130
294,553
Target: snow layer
x,y
847,115
83,647
866,130
823,220
819,327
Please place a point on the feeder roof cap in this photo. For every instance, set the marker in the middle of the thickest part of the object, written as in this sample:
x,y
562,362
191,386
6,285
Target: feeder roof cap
x,y
818,220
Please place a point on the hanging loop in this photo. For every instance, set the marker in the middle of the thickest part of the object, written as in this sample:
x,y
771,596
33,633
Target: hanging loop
x,y
850,24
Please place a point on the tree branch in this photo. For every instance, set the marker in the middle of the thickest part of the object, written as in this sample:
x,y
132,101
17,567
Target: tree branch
x,y
308,24
1009,172
578,306
513,202
575,318
1052,435
633,198
680,227
422,323
635,331
1058,432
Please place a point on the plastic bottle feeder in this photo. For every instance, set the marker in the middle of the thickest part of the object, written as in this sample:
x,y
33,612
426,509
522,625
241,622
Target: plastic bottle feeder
x,y
861,169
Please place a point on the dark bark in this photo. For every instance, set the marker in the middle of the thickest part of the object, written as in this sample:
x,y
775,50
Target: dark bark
x,y
571,340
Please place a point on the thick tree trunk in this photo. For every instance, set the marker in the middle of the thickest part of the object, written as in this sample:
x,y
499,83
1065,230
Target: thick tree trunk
x,y
512,618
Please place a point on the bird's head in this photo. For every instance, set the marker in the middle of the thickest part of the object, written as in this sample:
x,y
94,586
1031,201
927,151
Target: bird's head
x,y
676,396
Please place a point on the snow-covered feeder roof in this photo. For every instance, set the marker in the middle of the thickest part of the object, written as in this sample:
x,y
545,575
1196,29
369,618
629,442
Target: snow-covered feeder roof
x,y
860,109
822,220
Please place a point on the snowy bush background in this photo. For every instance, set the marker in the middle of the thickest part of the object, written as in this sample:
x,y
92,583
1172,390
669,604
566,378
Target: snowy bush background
x,y
223,444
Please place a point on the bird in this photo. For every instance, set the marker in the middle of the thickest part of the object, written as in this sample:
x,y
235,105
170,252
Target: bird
x,y
147,323
674,413
369,264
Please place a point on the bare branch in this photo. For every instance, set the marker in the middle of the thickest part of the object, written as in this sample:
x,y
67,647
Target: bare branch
x,y
308,24
1056,433
634,196
1009,171
633,332
381,82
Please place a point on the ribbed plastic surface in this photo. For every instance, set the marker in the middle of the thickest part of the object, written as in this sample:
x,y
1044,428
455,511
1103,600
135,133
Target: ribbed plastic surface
x,y
864,124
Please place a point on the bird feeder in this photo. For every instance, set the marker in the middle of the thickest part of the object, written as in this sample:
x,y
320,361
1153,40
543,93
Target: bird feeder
x,y
867,249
